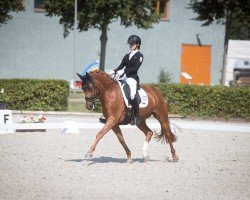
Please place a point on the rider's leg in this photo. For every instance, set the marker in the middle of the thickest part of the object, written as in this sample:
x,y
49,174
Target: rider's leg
x,y
135,105
133,89
102,120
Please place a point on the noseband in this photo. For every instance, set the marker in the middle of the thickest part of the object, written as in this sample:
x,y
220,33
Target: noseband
x,y
91,86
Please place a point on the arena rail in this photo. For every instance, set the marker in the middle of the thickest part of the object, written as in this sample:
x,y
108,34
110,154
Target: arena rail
x,y
176,127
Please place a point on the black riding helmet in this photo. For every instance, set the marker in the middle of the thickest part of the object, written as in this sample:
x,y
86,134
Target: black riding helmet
x,y
134,39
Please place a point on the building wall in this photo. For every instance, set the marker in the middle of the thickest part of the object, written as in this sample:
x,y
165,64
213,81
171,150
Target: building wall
x,y
32,45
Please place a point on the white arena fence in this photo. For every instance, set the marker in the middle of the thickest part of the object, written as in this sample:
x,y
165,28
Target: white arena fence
x,y
8,126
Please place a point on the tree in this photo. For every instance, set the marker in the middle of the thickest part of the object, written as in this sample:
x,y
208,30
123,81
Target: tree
x,y
240,30
164,76
6,6
233,13
99,14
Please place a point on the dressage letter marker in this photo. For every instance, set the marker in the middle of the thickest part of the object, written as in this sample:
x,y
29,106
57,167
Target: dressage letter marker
x,y
71,127
6,118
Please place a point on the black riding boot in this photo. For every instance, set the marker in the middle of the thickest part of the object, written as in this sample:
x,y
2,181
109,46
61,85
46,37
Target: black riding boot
x,y
135,106
102,120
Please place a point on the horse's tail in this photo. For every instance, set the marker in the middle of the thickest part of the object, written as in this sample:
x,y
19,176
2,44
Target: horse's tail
x,y
162,136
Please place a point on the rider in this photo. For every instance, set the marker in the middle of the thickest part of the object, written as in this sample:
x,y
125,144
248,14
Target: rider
x,y
128,69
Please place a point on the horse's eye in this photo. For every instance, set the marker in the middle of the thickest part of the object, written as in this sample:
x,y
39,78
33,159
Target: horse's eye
x,y
84,87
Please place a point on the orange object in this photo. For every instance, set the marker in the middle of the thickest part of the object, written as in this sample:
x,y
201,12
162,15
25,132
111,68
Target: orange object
x,y
78,84
196,62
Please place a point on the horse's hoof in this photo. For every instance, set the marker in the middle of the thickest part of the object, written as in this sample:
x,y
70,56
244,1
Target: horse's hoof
x,y
130,161
167,159
146,159
88,155
175,158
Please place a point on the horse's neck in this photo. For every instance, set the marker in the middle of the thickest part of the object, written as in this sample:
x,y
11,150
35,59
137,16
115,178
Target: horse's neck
x,y
102,81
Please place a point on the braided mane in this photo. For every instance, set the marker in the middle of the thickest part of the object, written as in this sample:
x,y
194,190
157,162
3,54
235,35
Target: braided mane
x,y
97,71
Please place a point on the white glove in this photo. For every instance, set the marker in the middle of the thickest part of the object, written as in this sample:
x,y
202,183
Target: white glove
x,y
120,72
111,72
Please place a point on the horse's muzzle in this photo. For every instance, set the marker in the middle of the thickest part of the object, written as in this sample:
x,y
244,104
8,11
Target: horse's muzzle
x,y
90,105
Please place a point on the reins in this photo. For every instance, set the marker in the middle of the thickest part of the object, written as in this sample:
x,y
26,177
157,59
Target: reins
x,y
106,89
95,97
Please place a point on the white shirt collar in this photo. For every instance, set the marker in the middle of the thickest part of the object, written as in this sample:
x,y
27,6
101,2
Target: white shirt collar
x,y
132,53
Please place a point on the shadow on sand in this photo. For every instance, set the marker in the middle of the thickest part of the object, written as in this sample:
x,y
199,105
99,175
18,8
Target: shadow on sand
x,y
108,160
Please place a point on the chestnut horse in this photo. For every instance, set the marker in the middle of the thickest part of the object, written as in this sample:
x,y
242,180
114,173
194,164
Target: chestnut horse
x,y
99,85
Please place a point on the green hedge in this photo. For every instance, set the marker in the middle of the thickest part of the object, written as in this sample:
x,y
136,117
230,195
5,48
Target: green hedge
x,y
34,94
207,101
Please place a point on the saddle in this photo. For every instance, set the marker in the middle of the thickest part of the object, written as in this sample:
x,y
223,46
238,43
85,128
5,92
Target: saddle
x,y
141,97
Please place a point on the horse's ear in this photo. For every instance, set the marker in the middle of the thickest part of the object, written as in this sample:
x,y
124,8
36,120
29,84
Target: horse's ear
x,y
88,76
80,76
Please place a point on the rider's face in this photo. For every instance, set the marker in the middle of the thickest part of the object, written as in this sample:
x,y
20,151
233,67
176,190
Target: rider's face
x,y
132,46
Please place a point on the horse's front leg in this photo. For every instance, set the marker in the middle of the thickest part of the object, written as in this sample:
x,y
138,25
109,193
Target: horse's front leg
x,y
120,137
111,122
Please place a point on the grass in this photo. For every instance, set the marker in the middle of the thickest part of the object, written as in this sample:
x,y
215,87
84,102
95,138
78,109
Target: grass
x,y
76,95
77,107
76,103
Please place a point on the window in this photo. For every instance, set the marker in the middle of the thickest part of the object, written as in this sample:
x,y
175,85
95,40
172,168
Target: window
x,y
162,8
38,6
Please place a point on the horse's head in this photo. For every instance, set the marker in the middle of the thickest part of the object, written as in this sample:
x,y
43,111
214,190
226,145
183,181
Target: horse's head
x,y
90,90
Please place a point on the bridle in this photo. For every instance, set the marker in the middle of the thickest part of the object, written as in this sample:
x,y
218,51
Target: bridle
x,y
91,86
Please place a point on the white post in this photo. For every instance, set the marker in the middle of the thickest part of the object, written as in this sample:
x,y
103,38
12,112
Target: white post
x,y
75,28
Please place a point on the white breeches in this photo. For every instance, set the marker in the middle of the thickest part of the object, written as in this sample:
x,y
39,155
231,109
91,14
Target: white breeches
x,y
132,85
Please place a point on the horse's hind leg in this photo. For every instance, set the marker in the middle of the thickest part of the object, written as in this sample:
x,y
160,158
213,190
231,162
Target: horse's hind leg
x,y
162,117
120,137
148,133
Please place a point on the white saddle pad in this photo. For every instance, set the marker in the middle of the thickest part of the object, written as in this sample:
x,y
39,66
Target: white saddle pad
x,y
143,95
